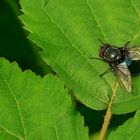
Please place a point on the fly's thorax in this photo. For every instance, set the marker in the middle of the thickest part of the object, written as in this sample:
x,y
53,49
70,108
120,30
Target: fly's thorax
x,y
113,55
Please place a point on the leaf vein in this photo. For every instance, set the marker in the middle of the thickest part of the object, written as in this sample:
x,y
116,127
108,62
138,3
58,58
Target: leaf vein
x,y
55,129
96,21
11,133
80,87
16,101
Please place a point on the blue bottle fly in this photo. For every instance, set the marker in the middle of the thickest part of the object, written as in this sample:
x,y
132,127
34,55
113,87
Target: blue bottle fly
x,y
119,59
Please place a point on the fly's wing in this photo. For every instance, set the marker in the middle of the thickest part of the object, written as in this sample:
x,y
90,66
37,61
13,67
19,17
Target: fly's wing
x,y
134,53
123,74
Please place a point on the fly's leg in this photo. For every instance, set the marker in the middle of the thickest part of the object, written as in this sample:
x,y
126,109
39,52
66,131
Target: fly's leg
x,y
101,41
97,58
108,70
105,72
126,44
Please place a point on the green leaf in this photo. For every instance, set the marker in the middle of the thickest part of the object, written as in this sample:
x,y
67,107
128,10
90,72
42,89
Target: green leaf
x,y
129,130
38,108
68,32
14,44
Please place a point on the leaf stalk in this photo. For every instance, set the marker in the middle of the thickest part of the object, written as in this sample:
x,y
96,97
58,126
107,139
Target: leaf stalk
x,y
108,115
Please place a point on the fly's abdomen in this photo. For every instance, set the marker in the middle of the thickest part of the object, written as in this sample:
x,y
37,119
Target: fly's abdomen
x,y
127,61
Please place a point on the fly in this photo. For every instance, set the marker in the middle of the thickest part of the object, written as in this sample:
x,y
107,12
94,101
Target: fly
x,y
119,59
